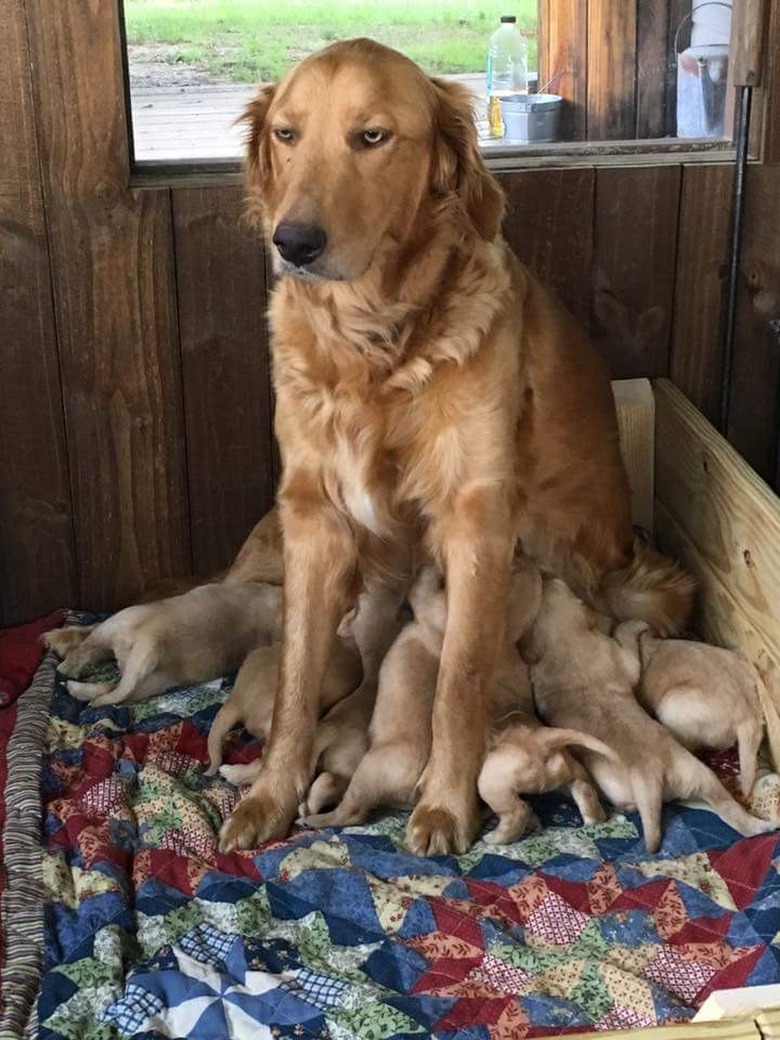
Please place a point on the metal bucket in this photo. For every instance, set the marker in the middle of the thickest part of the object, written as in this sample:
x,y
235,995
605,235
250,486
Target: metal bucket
x,y
702,75
531,118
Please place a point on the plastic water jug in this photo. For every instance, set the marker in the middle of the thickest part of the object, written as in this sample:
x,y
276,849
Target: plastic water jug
x,y
507,69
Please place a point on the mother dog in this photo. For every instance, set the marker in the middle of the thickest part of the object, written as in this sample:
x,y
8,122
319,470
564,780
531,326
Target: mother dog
x,y
431,396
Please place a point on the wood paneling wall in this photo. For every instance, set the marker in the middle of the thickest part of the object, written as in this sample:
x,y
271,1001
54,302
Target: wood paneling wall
x,y
134,370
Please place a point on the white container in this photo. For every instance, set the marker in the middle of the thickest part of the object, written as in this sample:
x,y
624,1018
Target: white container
x,y
702,72
531,118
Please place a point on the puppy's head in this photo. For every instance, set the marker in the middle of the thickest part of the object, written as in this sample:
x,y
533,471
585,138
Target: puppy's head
x,y
355,153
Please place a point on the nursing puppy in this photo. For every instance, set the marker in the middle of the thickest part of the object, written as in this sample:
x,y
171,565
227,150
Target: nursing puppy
x,y
251,701
526,757
185,639
584,679
401,724
705,695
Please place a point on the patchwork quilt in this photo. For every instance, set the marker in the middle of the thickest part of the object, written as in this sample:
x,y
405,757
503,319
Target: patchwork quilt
x,y
150,932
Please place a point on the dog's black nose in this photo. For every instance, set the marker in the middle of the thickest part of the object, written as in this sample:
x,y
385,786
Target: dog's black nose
x,y
299,244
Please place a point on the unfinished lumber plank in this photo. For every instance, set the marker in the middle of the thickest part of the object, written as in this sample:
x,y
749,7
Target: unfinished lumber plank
x,y
635,406
702,265
546,208
720,619
712,509
37,559
612,35
112,261
634,261
220,275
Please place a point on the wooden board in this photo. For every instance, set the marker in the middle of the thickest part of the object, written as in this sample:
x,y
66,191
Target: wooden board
x,y
563,42
723,522
753,418
652,69
37,561
635,407
220,277
702,268
768,95
112,264
612,36
549,225
634,264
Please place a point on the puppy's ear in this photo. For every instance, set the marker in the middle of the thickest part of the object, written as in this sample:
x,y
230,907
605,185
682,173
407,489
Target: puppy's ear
x,y
257,158
457,166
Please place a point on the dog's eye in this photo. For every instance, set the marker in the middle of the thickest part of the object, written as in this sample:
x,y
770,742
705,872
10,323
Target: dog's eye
x,y
374,136
284,133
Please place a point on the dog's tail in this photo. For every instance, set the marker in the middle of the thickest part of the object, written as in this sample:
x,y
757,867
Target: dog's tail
x,y
555,739
650,588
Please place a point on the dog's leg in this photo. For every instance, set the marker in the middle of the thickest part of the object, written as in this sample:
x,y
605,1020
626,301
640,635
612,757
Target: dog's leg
x,y
476,543
320,569
749,736
88,691
242,772
327,790
225,719
649,803
585,796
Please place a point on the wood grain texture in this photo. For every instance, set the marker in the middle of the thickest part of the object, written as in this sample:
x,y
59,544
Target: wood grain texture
x,y
563,43
768,96
753,415
37,561
112,263
549,225
724,522
676,41
612,37
220,276
652,68
702,267
634,264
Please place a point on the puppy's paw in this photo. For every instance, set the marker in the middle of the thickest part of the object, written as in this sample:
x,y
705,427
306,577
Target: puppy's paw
x,y
239,774
94,693
436,831
255,820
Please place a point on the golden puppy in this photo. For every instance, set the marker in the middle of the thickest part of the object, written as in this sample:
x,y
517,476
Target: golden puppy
x,y
401,724
429,393
251,701
705,695
585,680
526,757
186,639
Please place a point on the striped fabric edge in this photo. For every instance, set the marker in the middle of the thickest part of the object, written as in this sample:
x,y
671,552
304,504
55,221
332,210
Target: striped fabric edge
x,y
742,1028
23,898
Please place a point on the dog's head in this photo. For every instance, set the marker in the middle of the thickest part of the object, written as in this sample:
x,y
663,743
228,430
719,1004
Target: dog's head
x,y
353,155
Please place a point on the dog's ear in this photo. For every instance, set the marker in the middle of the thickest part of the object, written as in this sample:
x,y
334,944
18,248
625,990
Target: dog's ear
x,y
254,116
457,167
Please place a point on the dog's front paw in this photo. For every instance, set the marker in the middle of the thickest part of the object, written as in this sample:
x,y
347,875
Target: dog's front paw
x,y
256,819
437,830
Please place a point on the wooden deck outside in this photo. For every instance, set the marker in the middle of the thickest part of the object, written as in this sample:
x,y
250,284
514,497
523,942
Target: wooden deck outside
x,y
198,122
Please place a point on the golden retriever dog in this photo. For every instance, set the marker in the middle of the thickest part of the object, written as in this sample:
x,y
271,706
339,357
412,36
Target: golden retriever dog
x,y
182,640
431,395
705,695
585,680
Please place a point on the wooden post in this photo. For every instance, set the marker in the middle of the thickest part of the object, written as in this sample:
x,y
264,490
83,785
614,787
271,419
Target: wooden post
x,y
612,38
563,44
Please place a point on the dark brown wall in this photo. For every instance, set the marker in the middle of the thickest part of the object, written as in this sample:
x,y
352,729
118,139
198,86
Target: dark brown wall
x,y
134,375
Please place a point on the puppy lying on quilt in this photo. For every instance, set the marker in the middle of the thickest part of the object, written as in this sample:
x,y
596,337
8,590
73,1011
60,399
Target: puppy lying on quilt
x,y
193,638
705,695
401,723
583,678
